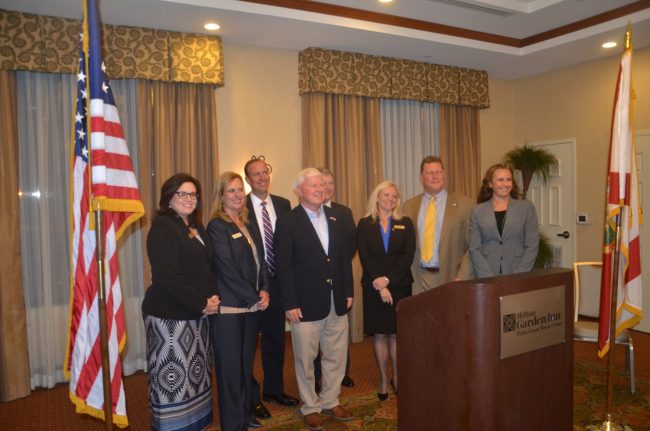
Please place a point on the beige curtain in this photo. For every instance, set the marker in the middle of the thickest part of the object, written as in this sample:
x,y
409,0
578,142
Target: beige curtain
x,y
177,132
14,360
343,133
460,148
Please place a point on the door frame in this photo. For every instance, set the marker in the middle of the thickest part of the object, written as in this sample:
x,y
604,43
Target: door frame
x,y
573,191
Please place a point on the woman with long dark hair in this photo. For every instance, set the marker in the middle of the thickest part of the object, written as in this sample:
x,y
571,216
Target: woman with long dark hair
x,y
182,293
503,232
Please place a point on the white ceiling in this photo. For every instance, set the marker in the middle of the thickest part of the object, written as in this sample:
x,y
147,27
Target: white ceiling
x,y
245,23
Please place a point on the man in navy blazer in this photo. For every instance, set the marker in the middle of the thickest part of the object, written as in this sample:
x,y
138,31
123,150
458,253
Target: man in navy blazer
x,y
313,263
344,215
258,177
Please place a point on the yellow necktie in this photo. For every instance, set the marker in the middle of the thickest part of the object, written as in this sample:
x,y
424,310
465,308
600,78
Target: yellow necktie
x,y
429,231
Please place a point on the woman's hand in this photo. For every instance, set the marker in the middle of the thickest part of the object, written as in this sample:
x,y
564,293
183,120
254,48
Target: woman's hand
x,y
380,283
386,296
265,300
212,305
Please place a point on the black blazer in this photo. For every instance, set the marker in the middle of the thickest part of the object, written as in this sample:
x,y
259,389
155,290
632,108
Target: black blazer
x,y
344,214
307,274
233,264
376,262
280,205
182,280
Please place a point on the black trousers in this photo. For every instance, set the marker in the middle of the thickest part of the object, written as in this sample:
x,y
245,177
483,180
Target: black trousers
x,y
234,337
272,346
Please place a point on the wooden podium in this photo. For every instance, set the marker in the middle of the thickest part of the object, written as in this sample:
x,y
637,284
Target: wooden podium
x,y
450,346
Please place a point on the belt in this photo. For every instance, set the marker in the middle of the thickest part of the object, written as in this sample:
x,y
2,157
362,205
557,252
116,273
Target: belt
x,y
431,269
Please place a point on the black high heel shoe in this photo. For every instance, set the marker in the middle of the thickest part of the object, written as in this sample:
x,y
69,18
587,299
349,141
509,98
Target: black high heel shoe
x,y
383,396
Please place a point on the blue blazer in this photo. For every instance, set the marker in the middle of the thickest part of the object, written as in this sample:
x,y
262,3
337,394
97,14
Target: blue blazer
x,y
307,273
233,264
513,251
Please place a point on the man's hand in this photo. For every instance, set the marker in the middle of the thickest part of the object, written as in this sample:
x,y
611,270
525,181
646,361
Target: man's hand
x,y
264,300
294,315
349,302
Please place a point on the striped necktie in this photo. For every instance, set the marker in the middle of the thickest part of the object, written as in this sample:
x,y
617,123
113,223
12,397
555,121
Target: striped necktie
x,y
268,241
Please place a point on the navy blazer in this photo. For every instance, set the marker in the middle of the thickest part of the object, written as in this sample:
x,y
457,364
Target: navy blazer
x,y
182,280
308,275
344,215
233,264
280,206
515,250
394,264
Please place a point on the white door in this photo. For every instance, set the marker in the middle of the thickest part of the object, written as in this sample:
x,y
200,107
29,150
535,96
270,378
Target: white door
x,y
642,140
555,201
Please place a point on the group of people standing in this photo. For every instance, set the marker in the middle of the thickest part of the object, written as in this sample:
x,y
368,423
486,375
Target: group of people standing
x,y
261,263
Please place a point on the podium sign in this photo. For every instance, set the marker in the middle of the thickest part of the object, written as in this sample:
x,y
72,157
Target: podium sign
x,y
532,320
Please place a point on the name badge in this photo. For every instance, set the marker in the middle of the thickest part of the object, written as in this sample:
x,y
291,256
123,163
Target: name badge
x,y
399,226
236,235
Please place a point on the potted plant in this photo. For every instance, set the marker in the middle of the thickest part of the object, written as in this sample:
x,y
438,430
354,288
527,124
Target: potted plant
x,y
530,161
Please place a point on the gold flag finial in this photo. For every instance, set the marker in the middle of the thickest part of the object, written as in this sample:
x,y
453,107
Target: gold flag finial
x,y
628,36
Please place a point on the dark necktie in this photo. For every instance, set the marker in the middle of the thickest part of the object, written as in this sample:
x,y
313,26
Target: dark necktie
x,y
268,241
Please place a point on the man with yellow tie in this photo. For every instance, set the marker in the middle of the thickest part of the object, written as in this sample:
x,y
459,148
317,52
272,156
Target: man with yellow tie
x,y
442,219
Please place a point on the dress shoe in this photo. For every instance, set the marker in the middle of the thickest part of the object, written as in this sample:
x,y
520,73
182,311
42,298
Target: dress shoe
x,y
314,421
339,413
253,423
282,399
382,397
261,412
347,381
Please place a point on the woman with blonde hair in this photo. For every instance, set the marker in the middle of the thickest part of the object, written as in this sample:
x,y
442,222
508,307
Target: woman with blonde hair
x,y
386,244
240,271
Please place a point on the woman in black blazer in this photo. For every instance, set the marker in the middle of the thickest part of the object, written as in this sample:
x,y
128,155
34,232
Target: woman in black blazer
x,y
238,265
386,244
182,293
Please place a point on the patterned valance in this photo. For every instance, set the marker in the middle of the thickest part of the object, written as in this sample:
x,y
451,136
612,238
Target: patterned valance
x,y
339,72
51,44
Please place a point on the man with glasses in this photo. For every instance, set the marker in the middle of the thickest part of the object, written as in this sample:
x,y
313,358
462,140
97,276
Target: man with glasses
x,y
443,219
263,212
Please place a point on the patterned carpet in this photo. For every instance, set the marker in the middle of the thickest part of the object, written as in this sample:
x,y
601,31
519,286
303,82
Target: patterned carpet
x,y
589,395
50,409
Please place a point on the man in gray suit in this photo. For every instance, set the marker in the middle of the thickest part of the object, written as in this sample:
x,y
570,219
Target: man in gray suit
x,y
442,254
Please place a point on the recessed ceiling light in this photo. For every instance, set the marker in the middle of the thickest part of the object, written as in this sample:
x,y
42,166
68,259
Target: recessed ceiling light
x,y
212,26
385,1
609,44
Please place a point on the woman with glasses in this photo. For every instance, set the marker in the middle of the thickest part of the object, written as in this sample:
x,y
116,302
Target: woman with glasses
x,y
183,292
238,265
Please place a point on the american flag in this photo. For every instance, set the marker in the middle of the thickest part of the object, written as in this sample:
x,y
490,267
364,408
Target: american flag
x,y
102,179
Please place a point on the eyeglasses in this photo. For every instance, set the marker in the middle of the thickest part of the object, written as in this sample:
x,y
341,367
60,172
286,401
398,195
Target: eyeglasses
x,y
185,195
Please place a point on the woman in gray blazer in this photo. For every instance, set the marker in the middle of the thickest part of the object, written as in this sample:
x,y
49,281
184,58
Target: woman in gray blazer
x,y
504,232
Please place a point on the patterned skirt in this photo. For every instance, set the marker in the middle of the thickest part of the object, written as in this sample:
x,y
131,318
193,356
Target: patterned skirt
x,y
180,385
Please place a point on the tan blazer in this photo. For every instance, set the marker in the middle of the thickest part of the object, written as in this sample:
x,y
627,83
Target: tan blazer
x,y
453,247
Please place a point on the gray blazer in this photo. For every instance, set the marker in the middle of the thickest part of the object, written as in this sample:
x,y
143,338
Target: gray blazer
x,y
515,250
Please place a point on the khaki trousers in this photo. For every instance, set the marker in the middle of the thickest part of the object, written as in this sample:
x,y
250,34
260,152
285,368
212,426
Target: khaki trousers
x,y
331,333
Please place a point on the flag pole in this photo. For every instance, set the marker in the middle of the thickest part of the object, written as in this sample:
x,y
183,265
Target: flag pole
x,y
609,424
103,330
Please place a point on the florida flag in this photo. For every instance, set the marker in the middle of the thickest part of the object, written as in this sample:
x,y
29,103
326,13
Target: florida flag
x,y
623,202
102,179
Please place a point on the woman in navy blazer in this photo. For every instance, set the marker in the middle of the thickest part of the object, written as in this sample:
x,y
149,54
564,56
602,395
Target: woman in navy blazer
x,y
504,232
238,265
386,244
